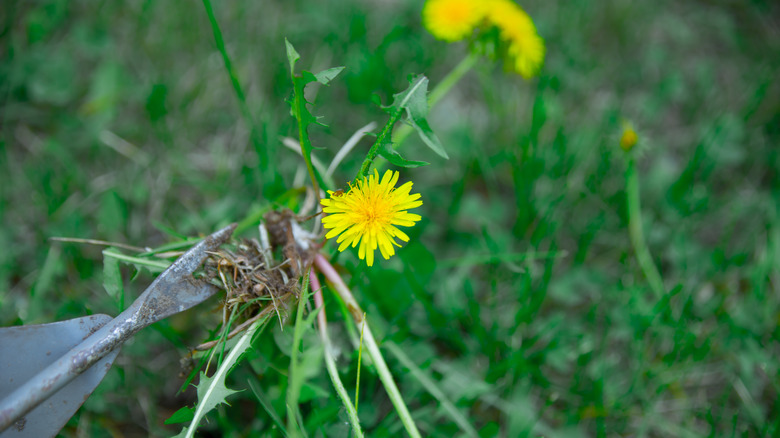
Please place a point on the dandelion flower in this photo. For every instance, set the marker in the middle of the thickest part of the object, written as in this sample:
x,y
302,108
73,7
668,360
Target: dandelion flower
x,y
369,214
452,20
526,47
629,137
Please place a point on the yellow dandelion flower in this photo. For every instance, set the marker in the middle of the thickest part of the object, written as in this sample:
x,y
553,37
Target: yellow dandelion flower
x,y
452,20
629,137
369,213
526,47
528,55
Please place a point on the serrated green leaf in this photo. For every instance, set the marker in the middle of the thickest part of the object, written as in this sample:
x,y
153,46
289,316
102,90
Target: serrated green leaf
x,y
397,160
300,111
183,415
212,391
112,277
324,77
292,55
307,77
414,101
418,89
426,134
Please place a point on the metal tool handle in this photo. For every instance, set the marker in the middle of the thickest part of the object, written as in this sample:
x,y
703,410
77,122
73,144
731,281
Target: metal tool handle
x,y
63,370
173,291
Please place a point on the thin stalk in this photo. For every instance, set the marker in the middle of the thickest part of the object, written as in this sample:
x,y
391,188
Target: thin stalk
x,y
360,357
380,140
430,385
635,231
330,362
254,134
295,380
439,91
385,376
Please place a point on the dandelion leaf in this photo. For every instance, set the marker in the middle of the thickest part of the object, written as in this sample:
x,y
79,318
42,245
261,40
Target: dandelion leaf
x,y
324,77
414,101
396,159
428,137
112,277
298,104
212,391
292,54
183,415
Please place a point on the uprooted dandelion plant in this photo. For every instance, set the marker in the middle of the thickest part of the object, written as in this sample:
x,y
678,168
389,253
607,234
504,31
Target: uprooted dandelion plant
x,y
262,276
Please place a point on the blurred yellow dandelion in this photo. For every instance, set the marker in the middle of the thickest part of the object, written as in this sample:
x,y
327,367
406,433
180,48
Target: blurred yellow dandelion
x,y
369,213
526,47
629,137
452,20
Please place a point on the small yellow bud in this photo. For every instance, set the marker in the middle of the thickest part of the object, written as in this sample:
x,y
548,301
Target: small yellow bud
x,y
629,138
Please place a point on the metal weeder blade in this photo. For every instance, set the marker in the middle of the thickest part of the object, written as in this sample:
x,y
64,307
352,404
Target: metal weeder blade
x,y
173,291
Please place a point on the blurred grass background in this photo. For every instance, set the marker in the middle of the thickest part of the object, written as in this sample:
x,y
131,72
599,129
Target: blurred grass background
x,y
519,294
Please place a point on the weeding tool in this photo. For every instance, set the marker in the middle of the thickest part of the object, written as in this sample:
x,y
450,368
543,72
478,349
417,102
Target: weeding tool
x,y
47,371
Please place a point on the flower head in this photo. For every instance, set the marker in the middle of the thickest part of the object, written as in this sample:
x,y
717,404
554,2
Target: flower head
x,y
452,20
629,137
526,47
369,213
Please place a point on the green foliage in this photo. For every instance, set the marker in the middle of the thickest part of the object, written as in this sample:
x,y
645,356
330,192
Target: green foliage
x,y
308,360
212,391
299,110
112,277
414,102
391,155
519,298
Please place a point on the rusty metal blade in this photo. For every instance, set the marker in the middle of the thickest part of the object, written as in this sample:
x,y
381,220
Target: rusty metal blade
x,y
173,291
35,346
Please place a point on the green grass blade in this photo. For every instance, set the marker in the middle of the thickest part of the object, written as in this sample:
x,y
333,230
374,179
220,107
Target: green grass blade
x,y
430,385
254,133
330,362
637,234
263,399
373,349
295,379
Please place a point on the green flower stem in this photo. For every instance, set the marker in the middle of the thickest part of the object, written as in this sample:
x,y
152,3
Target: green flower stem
x,y
441,90
401,134
334,278
635,231
330,362
254,134
295,381
380,140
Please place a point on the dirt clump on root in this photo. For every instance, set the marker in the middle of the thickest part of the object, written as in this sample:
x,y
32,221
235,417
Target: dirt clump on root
x,y
261,276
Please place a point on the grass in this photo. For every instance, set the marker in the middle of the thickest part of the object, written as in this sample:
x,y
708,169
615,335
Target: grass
x,y
520,307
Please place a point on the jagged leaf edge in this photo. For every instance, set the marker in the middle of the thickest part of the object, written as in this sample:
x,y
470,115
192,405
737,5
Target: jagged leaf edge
x,y
300,111
414,100
292,54
397,159
218,379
